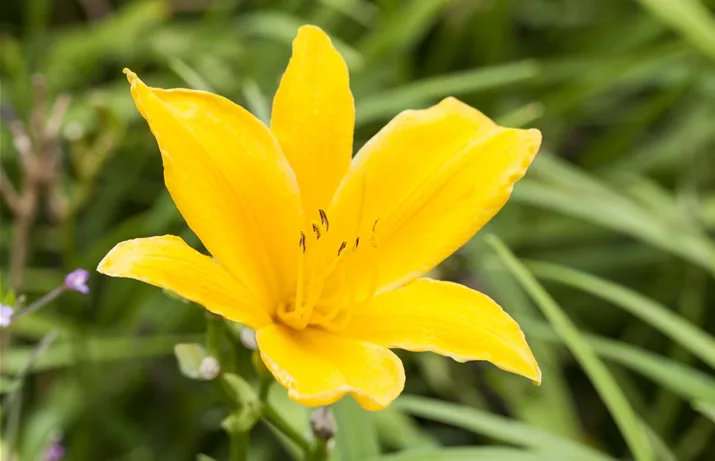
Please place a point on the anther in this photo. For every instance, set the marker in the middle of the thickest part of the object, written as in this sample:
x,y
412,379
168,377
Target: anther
x,y
324,220
302,241
316,229
357,244
342,247
374,225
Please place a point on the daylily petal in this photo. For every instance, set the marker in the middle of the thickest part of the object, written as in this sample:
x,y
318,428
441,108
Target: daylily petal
x,y
230,181
446,318
168,262
314,116
318,367
424,185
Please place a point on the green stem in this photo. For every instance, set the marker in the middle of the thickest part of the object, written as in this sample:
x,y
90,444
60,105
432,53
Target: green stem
x,y
264,387
40,303
321,452
276,420
239,446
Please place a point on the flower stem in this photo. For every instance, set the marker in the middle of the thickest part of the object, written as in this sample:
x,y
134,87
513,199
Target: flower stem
x,y
321,452
239,446
264,387
276,420
40,302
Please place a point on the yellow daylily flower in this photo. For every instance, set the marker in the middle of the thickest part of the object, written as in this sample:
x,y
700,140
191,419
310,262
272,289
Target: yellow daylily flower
x,y
321,254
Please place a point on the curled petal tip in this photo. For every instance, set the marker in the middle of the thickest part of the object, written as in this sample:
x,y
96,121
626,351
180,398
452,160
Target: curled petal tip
x,y
131,76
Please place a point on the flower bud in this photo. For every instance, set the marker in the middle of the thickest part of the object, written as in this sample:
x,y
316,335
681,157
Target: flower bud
x,y
209,368
323,424
77,281
6,315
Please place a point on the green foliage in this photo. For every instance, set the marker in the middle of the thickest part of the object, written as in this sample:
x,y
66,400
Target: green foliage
x,y
614,222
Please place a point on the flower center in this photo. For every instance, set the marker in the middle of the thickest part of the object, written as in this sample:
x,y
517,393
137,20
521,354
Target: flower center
x,y
324,295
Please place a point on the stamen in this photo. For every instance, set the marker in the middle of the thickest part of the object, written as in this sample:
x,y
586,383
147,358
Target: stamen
x,y
301,275
357,244
342,247
373,239
324,220
301,243
316,229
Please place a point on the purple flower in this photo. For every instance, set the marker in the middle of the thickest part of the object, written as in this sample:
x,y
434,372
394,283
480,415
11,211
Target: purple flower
x,y
55,451
77,281
5,315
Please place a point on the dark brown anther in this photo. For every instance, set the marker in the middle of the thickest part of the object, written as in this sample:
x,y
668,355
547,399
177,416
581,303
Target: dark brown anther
x,y
374,225
302,241
316,229
324,219
342,247
357,244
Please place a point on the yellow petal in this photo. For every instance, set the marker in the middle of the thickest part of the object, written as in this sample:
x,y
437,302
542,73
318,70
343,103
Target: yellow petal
x,y
314,116
231,182
424,185
318,367
446,318
168,262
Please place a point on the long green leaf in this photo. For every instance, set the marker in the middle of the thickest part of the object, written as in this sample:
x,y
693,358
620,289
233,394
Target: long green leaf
x,y
608,389
689,17
467,454
690,337
567,190
682,380
416,94
706,409
357,434
496,427
94,350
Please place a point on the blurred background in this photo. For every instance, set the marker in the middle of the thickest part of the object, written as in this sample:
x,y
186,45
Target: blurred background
x,y
615,221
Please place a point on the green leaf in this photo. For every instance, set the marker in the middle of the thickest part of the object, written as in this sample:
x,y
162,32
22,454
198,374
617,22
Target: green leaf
x,y
698,342
283,27
496,427
468,454
401,31
202,457
8,385
92,350
422,92
689,17
357,435
567,190
398,431
707,409
616,402
248,407
689,383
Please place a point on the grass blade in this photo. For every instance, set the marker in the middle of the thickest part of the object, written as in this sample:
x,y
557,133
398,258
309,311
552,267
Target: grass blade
x,y
608,389
467,454
698,342
706,409
357,437
388,103
496,427
96,350
689,17
688,383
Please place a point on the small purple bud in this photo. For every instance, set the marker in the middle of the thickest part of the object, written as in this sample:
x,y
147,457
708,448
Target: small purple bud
x,y
77,281
55,452
6,315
